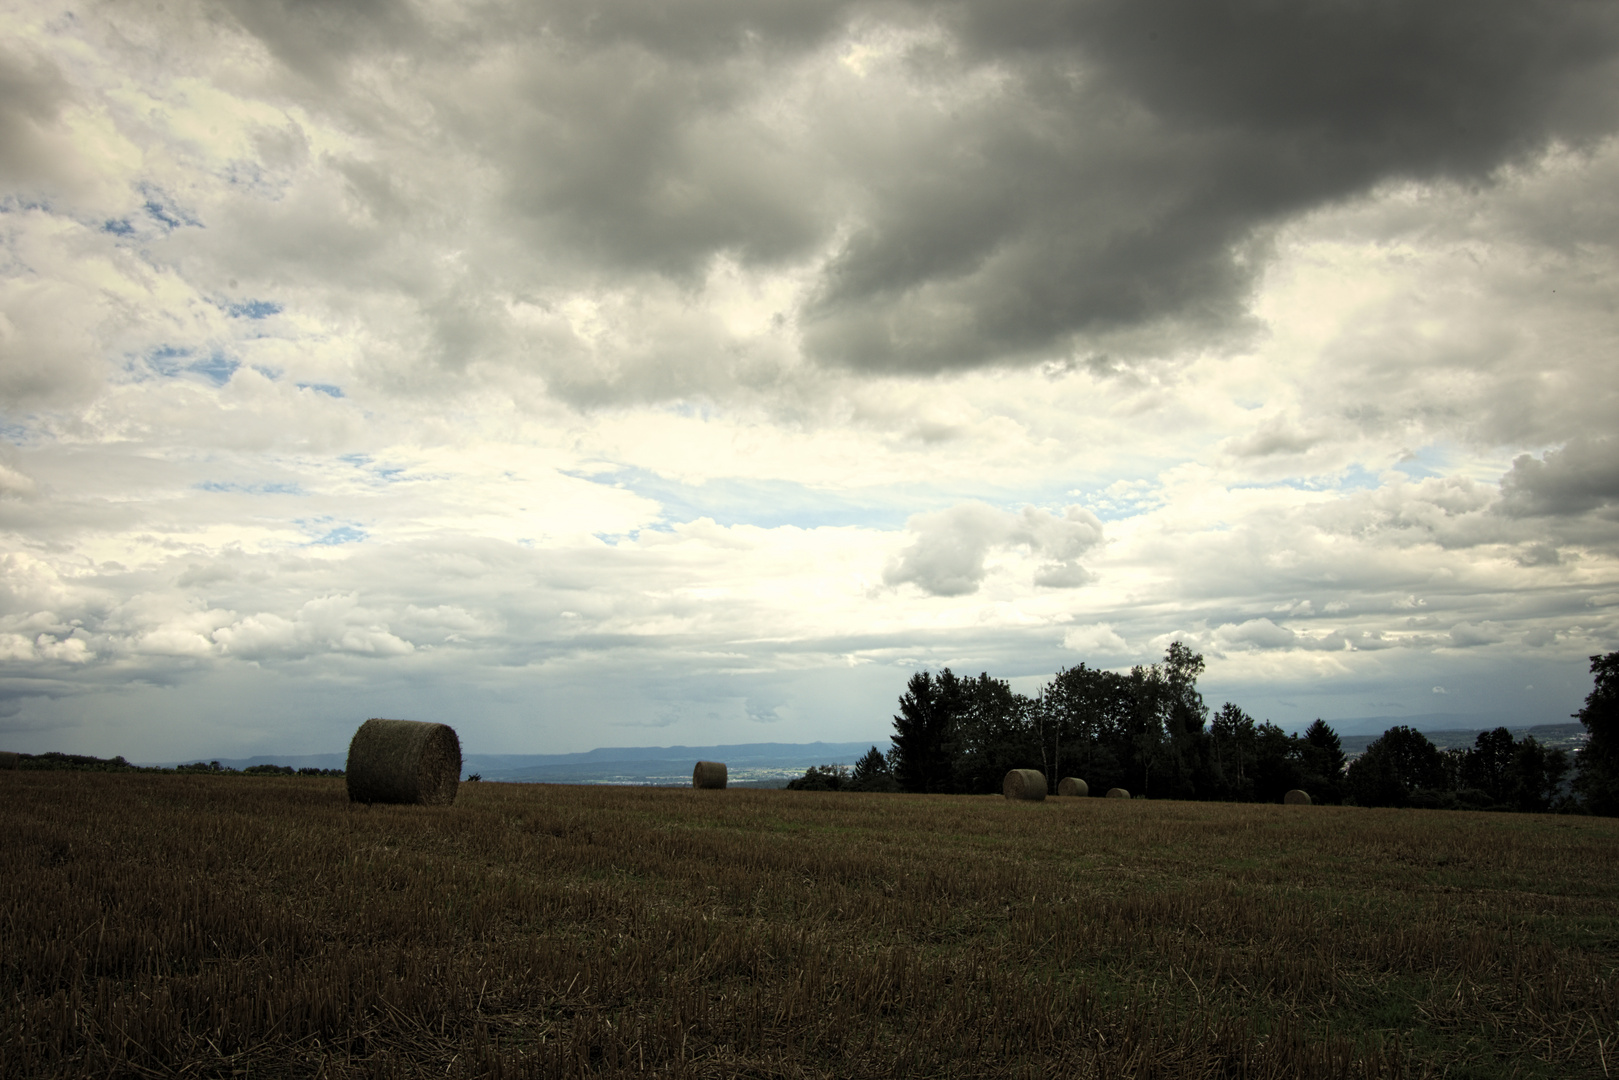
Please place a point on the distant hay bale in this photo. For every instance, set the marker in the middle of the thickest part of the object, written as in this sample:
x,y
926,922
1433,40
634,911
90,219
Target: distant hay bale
x,y
1072,785
1027,784
404,761
1297,798
709,774
9,759
1117,793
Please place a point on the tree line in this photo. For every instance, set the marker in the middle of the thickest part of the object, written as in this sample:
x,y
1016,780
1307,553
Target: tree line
x,y
1149,731
52,761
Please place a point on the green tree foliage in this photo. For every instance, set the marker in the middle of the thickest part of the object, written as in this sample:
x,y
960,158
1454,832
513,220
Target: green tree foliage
x,y
1538,777
995,731
822,778
1321,763
927,715
1597,783
1232,754
59,762
1399,768
872,773
1277,768
1084,713
1149,731
1146,730
1488,774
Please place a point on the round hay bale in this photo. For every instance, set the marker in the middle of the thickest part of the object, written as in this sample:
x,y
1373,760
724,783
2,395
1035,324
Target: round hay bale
x,y
9,759
1027,784
709,774
1073,785
1297,798
1117,793
404,761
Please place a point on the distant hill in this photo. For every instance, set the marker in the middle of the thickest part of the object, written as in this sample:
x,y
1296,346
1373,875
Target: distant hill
x,y
749,764
773,764
1430,723
1565,736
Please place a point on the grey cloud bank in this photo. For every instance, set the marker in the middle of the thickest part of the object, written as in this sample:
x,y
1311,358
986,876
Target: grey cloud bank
x,y
381,354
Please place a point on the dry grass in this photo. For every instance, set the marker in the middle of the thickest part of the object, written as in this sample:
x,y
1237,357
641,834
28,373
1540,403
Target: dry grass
x,y
159,925
404,761
709,774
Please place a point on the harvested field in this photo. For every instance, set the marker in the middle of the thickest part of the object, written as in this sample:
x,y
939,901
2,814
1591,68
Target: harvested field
x,y
222,925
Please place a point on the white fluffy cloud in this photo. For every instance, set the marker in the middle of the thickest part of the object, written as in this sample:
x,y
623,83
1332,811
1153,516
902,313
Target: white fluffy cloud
x,y
947,556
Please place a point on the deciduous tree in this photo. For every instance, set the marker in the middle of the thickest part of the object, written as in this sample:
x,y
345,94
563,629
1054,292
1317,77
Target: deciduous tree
x,y
1598,779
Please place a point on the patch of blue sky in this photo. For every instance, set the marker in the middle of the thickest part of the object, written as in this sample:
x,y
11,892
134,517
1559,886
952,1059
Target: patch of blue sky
x,y
240,172
251,176
12,203
254,309
217,368
1359,478
772,503
322,388
769,504
1355,477
118,227
326,534
1114,500
692,410
1424,462
176,361
17,434
383,473
227,487
165,211
168,352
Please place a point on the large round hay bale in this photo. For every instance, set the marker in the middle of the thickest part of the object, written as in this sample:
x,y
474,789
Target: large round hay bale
x,y
1117,793
709,774
9,759
404,761
1297,798
1072,785
1027,784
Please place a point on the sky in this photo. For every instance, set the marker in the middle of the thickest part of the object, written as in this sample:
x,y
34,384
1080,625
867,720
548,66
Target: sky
x,y
624,374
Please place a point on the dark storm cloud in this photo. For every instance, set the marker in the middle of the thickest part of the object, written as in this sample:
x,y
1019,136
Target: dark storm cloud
x,y
317,38
638,162
690,30
1140,148
32,93
1016,181
1582,476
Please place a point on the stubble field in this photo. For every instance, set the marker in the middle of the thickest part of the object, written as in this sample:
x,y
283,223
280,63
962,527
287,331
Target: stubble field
x,y
214,926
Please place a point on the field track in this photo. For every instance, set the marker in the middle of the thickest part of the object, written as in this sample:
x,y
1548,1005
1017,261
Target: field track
x,y
218,926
